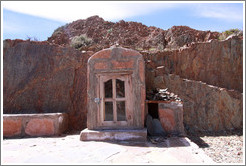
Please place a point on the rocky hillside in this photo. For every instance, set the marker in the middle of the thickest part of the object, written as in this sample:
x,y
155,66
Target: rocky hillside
x,y
103,34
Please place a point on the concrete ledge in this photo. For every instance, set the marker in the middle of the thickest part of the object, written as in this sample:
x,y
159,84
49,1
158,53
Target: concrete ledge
x,y
21,125
113,135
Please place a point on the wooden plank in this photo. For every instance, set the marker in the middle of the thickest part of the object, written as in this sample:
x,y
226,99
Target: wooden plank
x,y
114,102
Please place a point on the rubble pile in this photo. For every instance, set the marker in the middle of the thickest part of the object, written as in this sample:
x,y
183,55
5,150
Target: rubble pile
x,y
161,94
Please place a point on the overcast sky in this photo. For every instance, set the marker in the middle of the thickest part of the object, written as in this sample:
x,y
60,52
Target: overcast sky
x,y
22,19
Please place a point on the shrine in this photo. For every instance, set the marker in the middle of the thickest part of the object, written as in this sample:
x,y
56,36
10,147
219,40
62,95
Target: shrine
x,y
116,96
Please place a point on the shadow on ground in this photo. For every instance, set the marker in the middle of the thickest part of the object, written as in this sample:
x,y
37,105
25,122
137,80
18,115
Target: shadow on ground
x,y
196,136
160,142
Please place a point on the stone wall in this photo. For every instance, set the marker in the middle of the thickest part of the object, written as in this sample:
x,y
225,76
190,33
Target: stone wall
x,y
43,78
39,77
218,63
214,101
206,107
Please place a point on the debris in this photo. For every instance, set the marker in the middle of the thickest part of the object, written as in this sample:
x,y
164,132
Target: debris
x,y
161,94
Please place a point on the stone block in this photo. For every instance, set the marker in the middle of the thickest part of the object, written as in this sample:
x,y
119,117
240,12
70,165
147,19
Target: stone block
x,y
171,117
11,127
113,135
61,124
40,127
21,125
167,119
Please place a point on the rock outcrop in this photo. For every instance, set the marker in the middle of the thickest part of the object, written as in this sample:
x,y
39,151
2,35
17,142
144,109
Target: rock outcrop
x,y
44,78
128,34
179,36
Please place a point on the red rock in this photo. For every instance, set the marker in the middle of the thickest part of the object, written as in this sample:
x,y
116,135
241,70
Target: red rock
x,y
11,127
40,127
129,34
43,78
171,117
167,119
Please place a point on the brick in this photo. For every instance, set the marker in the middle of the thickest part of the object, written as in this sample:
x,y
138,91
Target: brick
x,y
40,127
167,119
122,65
11,127
101,65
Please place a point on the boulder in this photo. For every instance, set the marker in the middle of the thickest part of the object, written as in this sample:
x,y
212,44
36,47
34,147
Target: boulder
x,y
154,127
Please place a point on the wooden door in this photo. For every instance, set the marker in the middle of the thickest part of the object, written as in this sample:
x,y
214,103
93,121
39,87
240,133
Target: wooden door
x,y
115,105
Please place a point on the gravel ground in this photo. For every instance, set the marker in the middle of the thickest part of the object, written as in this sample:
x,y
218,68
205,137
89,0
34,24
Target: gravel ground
x,y
224,147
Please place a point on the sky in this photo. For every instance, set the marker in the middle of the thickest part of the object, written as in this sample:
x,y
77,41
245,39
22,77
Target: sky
x,y
38,19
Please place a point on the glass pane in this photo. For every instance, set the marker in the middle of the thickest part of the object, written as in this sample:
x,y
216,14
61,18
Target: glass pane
x,y
108,89
120,88
109,111
121,113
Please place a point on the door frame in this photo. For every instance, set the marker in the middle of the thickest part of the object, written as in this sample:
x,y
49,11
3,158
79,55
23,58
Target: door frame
x,y
103,77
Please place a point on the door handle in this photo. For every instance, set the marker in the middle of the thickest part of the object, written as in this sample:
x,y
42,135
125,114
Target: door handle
x,y
97,100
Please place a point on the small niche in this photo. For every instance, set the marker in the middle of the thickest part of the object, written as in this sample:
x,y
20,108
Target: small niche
x,y
153,110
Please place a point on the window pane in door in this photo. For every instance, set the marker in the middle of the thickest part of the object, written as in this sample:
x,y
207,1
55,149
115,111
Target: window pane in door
x,y
109,111
121,112
120,88
108,89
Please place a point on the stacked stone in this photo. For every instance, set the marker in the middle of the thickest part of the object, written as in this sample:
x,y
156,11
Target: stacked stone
x,y
162,94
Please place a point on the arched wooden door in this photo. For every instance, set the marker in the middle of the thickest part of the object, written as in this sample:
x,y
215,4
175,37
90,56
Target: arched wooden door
x,y
115,110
